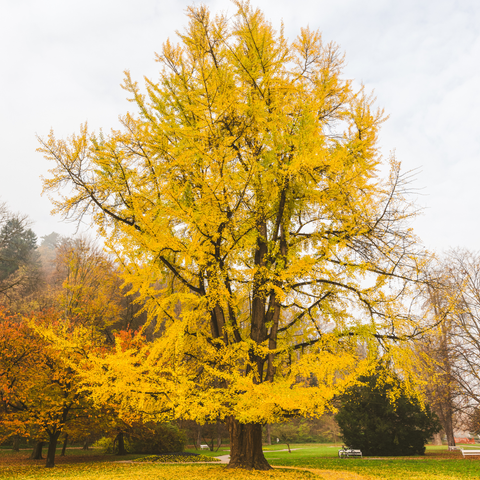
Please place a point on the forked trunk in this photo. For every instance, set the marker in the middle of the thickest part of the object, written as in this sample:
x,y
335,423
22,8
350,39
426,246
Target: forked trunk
x,y
52,448
246,445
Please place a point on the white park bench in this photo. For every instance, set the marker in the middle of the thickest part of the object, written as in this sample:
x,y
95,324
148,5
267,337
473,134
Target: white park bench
x,y
204,447
349,452
469,451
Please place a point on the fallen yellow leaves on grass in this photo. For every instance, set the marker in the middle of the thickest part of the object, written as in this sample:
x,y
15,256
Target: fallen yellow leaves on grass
x,y
332,475
150,471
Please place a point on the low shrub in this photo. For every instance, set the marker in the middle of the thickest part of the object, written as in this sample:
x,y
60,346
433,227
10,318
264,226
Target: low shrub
x,y
370,421
107,445
177,459
157,438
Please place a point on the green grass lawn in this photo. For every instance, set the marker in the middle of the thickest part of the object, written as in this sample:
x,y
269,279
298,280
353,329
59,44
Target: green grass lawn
x,y
7,451
437,464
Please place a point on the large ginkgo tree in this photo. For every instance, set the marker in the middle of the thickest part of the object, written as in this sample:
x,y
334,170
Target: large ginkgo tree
x,y
245,205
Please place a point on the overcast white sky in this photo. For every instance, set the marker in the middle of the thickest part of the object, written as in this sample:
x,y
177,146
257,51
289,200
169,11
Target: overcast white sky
x,y
62,62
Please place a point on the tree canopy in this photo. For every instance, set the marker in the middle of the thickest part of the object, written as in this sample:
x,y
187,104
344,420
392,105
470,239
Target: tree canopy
x,y
245,206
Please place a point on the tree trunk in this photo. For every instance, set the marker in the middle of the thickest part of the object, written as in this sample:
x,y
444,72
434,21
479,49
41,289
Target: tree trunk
x,y
219,436
269,435
16,443
246,445
85,445
444,409
64,447
37,451
199,437
437,439
52,448
119,440
449,431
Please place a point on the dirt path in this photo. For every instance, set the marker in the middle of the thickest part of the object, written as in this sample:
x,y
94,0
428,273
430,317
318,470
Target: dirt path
x,y
326,474
333,474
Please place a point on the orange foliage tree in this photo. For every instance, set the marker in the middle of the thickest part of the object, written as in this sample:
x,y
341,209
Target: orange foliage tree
x,y
38,387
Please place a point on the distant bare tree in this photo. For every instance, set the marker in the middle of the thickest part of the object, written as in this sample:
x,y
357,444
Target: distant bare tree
x,y
455,343
464,269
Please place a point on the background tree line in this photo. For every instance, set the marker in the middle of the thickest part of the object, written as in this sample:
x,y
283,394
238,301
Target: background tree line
x,y
71,281
63,284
